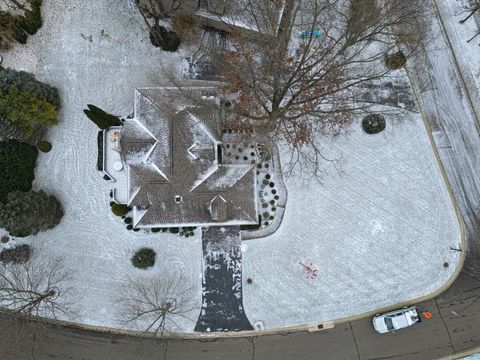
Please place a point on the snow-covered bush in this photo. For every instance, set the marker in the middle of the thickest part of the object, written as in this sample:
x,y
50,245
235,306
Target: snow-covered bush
x,y
27,213
144,258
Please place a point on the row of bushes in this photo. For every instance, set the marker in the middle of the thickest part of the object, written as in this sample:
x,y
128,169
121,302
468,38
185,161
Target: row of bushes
x,y
27,108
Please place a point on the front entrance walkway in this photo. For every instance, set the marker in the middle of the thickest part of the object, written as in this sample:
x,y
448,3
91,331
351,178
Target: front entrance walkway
x,y
222,306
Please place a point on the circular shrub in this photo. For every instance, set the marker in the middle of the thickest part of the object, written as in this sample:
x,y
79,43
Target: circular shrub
x,y
119,209
276,197
128,220
395,61
268,176
144,258
272,184
44,146
373,123
129,227
265,182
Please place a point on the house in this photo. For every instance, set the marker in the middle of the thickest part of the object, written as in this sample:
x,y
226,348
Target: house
x,y
171,151
248,16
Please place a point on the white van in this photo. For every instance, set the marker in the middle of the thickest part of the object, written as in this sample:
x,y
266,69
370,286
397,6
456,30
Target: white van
x,y
397,319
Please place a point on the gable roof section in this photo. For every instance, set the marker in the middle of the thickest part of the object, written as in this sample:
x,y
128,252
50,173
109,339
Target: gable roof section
x,y
171,150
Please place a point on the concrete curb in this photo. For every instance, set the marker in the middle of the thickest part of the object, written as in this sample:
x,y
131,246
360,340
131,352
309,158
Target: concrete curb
x,y
461,354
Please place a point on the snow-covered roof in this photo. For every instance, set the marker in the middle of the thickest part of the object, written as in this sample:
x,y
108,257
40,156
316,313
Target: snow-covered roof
x,y
170,149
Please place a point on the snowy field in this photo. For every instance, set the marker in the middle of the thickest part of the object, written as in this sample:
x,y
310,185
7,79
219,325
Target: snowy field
x,y
378,233
103,72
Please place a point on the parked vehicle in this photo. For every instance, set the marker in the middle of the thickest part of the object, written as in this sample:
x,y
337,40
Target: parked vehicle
x,y
397,319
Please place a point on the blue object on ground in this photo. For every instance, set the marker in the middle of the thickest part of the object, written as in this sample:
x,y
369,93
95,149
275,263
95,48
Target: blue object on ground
x,y
314,33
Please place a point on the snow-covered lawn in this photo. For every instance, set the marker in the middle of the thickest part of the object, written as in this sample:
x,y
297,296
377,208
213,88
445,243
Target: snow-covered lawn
x,y
103,72
378,233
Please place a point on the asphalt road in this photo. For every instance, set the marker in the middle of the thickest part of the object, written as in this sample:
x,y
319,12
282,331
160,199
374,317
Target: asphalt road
x,y
454,326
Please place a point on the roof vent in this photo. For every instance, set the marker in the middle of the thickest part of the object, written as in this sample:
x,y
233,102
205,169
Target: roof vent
x,y
178,199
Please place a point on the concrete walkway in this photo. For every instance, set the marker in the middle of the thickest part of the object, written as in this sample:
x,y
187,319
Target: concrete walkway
x,y
222,307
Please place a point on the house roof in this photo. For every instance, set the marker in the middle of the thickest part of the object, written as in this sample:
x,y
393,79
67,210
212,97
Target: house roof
x,y
175,178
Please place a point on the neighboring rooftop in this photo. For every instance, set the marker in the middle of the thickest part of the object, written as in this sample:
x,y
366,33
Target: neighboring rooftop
x,y
172,152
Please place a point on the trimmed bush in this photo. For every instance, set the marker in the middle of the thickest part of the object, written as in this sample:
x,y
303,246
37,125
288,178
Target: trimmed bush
x,y
26,111
144,258
17,161
395,61
17,255
27,213
373,124
119,209
44,146
101,118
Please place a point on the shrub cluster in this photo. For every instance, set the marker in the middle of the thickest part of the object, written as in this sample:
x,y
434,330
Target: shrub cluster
x,y
15,26
17,255
144,258
25,81
27,106
27,213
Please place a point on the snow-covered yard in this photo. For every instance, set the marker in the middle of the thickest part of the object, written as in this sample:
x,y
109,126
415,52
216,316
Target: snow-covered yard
x,y
378,232
104,72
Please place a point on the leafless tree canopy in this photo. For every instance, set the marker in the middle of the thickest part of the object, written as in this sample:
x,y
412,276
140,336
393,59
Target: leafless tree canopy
x,y
156,304
297,91
39,287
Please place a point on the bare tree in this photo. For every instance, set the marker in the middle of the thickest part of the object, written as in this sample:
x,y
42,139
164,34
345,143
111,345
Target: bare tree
x,y
297,91
155,11
156,304
38,287
472,8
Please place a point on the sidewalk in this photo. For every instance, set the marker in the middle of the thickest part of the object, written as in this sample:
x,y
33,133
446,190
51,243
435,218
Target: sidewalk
x,y
450,116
